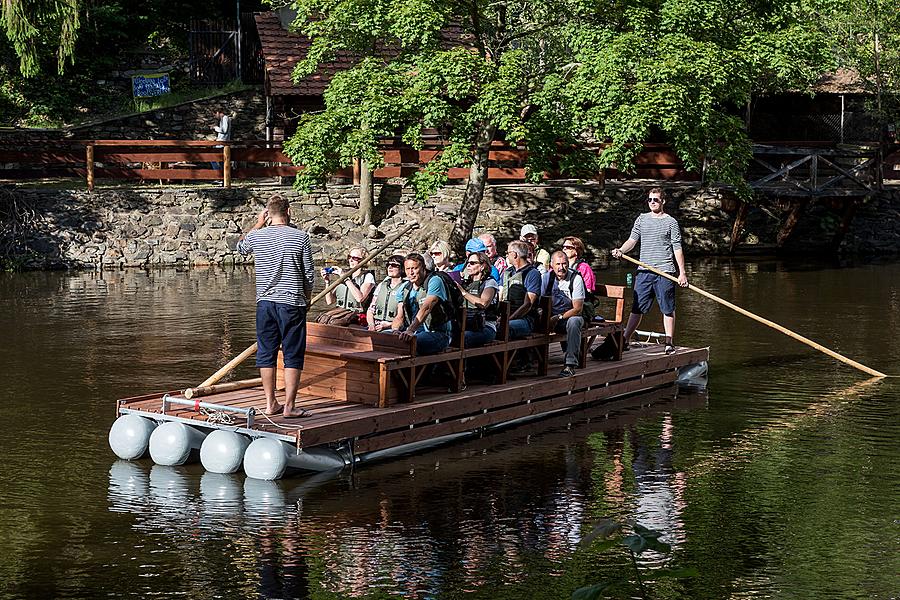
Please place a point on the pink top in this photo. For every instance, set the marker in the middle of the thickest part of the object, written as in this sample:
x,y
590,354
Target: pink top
x,y
587,273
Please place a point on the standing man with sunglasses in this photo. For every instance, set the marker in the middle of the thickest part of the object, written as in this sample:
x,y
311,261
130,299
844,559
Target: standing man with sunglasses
x,y
660,238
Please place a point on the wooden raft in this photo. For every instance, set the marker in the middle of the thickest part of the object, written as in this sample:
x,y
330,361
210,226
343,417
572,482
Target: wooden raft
x,y
434,412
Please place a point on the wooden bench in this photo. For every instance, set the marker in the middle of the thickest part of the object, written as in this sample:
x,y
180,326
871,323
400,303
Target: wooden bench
x,y
379,369
367,367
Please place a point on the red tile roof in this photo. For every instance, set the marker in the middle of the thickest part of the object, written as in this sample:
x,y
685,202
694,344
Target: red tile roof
x,y
283,49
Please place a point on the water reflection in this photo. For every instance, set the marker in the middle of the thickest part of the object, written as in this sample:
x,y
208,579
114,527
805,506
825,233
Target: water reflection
x,y
380,528
783,482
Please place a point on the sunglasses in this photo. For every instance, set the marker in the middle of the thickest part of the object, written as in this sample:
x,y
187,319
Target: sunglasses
x,y
351,257
569,247
437,253
474,262
657,200
394,265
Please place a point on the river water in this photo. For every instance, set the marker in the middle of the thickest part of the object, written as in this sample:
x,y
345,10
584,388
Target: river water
x,y
780,480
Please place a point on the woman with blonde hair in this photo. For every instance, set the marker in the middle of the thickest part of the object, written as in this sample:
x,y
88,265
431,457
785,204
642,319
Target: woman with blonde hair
x,y
573,247
440,254
355,292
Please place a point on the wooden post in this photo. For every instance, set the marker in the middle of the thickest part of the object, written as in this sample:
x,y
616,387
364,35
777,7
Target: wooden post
x,y
89,163
226,166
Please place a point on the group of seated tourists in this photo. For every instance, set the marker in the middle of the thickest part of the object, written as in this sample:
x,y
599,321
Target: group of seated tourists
x,y
420,292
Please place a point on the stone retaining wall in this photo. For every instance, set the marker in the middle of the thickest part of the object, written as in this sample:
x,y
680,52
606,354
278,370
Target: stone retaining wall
x,y
170,226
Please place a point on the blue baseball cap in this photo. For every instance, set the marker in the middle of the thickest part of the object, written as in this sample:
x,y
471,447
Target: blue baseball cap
x,y
475,245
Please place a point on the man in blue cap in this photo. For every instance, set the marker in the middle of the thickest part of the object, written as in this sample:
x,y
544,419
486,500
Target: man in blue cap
x,y
472,246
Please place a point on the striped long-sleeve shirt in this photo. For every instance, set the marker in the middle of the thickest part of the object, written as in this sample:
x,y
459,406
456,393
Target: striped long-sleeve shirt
x,y
660,237
284,265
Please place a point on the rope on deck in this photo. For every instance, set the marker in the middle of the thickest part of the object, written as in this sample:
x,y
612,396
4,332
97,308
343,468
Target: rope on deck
x,y
217,416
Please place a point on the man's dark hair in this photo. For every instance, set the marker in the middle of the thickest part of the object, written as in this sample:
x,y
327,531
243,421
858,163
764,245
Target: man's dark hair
x,y
415,256
278,206
662,193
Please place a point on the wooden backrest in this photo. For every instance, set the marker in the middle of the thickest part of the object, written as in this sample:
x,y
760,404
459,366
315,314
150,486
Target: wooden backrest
x,y
543,325
459,328
616,292
356,338
503,322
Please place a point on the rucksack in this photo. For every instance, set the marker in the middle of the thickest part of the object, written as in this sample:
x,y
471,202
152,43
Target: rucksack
x,y
455,298
606,350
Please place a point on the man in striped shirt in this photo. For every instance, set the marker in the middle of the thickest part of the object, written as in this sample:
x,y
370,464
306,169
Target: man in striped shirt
x,y
660,239
284,283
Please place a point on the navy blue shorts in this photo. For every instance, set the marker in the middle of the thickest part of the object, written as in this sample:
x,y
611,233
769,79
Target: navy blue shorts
x,y
649,285
280,325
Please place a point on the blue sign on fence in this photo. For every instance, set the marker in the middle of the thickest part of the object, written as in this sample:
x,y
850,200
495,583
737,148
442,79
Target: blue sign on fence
x,y
144,86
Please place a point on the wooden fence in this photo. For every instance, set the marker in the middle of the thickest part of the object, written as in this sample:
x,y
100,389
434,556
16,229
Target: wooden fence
x,y
816,170
185,160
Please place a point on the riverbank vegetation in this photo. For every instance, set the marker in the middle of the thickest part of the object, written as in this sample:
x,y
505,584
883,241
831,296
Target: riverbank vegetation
x,y
65,63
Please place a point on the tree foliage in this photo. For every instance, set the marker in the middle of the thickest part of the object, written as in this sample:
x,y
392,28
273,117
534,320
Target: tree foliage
x,y
31,24
864,37
112,35
554,75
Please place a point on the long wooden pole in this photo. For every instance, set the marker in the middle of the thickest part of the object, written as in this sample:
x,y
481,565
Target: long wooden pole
x,y
234,362
764,321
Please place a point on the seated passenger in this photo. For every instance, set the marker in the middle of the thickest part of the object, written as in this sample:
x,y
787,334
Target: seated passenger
x,y
490,244
440,254
472,246
574,249
355,292
384,304
423,308
529,235
522,289
479,290
566,287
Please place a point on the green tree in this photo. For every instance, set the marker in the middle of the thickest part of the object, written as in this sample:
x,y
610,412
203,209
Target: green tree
x,y
555,75
30,24
864,36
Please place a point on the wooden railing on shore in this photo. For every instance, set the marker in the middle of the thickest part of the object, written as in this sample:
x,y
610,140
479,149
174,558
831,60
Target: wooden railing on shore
x,y
797,168
189,160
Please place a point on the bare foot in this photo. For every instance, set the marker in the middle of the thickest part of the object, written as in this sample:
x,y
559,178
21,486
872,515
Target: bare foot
x,y
274,411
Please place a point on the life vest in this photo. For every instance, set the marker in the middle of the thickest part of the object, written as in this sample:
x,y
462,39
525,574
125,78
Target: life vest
x,y
438,316
387,303
513,289
476,288
346,300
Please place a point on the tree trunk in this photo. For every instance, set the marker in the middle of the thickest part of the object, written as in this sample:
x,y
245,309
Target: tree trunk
x,y
790,223
366,193
471,202
737,230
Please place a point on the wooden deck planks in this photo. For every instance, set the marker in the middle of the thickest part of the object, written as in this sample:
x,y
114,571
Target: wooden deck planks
x,y
436,413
